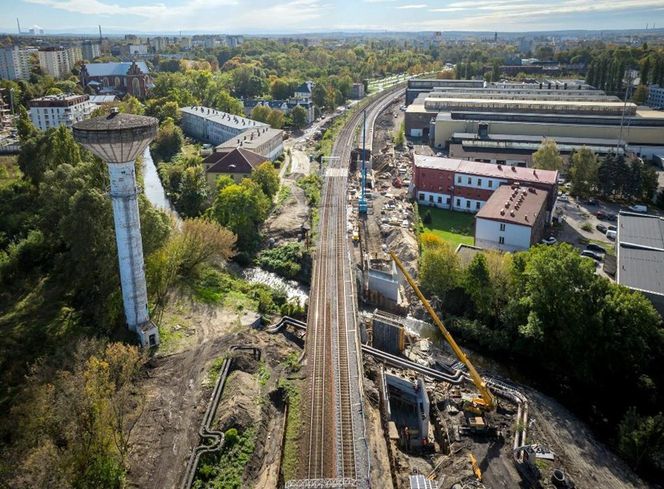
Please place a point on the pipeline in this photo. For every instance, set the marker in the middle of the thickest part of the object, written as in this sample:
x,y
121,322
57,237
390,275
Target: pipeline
x,y
213,440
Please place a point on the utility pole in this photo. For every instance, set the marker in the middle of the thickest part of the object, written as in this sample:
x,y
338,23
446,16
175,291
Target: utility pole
x,y
18,24
363,207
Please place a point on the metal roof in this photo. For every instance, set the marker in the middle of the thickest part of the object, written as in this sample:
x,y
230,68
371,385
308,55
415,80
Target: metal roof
x,y
113,69
513,173
421,482
640,250
222,118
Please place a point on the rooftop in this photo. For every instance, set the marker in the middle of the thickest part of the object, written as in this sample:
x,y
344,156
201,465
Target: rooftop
x,y
514,173
233,160
60,100
252,138
640,250
223,118
113,69
514,204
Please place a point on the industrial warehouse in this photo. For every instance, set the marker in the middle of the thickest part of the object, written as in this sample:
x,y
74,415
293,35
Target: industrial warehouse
x,y
487,123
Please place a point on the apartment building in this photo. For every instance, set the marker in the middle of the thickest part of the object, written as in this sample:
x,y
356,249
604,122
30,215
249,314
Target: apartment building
x,y
57,110
16,62
90,50
59,61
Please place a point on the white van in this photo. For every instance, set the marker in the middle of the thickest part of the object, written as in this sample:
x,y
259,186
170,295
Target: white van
x,y
638,208
611,234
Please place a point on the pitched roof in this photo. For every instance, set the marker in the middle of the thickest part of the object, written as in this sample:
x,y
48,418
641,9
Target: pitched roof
x,y
515,173
237,160
514,204
113,69
304,88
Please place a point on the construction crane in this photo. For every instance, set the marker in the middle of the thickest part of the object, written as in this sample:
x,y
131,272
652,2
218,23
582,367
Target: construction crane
x,y
486,401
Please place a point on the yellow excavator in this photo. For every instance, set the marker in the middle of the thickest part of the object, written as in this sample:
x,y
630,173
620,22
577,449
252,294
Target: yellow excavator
x,y
486,402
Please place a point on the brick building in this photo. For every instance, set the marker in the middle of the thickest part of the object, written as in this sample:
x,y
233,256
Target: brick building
x,y
466,185
117,78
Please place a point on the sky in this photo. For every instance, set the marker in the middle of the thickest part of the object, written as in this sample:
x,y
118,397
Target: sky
x,y
299,16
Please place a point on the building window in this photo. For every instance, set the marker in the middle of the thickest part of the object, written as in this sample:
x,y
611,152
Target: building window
x,y
458,203
421,196
440,199
490,183
468,204
501,240
448,201
502,227
470,180
479,182
430,198
477,205
459,179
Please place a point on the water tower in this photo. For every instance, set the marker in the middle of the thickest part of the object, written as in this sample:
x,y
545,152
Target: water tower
x,y
118,139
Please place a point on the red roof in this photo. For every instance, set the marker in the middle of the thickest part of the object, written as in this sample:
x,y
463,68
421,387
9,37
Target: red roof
x,y
514,204
507,172
235,160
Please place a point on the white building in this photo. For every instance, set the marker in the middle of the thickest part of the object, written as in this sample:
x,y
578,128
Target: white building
x,y
57,110
58,61
138,49
512,219
90,50
16,63
655,96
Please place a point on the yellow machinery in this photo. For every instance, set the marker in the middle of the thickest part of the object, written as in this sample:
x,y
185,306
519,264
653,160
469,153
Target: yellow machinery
x,y
487,401
475,466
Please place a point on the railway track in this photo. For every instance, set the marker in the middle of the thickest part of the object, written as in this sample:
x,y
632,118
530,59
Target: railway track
x,y
335,452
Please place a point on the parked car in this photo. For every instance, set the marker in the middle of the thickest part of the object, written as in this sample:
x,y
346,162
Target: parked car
x,y
592,254
549,241
595,248
601,215
591,202
638,208
601,228
611,234
563,198
611,227
611,217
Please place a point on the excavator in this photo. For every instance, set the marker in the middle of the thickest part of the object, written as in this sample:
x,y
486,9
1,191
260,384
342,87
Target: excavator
x,y
486,402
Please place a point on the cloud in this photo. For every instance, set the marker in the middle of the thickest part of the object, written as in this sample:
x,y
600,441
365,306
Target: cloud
x,y
96,7
412,6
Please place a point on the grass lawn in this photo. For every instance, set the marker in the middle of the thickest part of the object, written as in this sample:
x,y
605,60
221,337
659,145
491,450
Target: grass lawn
x,y
454,227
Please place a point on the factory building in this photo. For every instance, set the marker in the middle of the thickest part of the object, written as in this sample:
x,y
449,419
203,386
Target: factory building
x,y
575,114
466,186
513,218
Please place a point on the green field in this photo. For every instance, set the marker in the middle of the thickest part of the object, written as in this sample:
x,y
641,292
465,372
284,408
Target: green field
x,y
454,227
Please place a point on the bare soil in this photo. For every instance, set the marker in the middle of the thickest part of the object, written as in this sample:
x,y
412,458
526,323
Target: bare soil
x,y
178,390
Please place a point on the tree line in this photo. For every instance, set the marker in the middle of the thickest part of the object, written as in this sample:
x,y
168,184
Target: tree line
x,y
595,344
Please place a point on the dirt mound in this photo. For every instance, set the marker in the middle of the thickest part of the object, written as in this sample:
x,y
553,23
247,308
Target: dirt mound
x,y
404,244
286,222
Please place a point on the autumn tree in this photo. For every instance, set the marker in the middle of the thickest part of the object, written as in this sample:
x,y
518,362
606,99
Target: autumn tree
x,y
276,119
168,142
261,113
547,157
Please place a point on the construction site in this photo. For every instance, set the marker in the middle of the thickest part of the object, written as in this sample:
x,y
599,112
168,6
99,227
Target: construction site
x,y
372,390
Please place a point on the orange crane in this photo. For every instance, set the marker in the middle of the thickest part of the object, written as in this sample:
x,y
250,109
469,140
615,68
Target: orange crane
x,y
486,401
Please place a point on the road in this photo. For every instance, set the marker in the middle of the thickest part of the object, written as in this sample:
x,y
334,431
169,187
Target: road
x,y
335,446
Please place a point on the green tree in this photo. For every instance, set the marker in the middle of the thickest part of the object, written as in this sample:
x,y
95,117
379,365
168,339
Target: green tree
x,y
641,438
584,172
261,113
24,125
439,270
168,142
192,192
267,177
477,283
319,95
276,119
241,208
281,89
547,157
299,117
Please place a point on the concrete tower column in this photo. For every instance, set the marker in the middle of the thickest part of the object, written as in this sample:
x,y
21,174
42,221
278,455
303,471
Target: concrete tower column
x,y
124,196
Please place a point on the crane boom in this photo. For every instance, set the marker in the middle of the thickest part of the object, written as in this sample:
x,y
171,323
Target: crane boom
x,y
487,401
